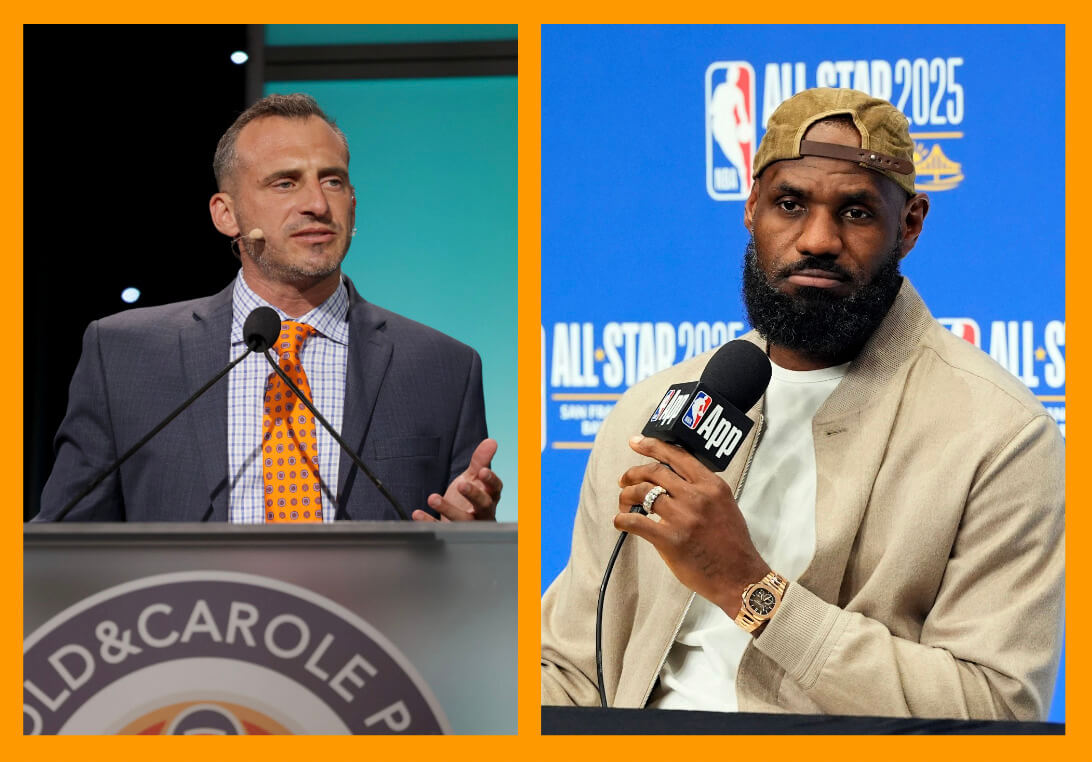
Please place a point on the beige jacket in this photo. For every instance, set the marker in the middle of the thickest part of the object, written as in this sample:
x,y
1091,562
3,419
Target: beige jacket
x,y
936,587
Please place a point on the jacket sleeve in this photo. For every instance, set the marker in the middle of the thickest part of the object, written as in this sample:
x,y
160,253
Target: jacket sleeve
x,y
568,606
990,644
84,445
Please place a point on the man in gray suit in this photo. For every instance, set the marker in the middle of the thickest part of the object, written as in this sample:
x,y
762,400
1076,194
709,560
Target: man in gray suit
x,y
407,398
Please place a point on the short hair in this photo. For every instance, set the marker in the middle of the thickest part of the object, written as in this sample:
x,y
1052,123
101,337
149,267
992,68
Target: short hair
x,y
843,122
292,106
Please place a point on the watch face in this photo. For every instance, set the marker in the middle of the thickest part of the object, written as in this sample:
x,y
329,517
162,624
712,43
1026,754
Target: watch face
x,y
761,601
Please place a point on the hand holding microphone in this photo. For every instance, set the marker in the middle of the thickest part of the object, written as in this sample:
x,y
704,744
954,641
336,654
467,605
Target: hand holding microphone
x,y
699,530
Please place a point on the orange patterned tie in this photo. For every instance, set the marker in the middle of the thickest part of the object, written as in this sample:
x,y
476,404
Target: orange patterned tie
x,y
292,493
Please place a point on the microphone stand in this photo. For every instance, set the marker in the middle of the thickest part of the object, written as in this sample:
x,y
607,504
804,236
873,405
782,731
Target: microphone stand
x,y
128,453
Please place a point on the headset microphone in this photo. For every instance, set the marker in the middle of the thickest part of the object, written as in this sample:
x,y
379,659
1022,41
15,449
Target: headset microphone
x,y
255,235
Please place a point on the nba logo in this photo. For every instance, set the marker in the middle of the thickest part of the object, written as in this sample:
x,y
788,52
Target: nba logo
x,y
663,404
696,410
965,328
729,129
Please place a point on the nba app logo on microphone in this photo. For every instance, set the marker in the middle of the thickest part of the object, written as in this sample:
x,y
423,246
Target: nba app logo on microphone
x,y
696,410
663,404
729,129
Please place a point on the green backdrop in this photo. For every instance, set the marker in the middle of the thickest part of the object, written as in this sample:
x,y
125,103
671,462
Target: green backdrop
x,y
434,167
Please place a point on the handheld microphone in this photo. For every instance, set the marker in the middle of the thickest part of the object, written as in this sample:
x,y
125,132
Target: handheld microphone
x,y
268,317
707,419
259,333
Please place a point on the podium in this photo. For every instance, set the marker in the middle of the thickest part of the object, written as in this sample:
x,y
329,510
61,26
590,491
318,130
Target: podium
x,y
362,627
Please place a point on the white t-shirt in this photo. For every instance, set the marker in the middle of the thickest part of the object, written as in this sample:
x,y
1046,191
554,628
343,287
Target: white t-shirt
x,y
778,502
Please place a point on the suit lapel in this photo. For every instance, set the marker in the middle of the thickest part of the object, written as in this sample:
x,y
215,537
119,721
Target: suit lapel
x,y
204,346
369,357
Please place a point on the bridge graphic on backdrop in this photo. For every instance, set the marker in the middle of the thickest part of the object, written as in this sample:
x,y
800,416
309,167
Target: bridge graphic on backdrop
x,y
935,171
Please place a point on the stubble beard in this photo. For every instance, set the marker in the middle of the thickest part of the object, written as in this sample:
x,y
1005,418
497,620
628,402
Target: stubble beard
x,y
812,321
280,267
284,270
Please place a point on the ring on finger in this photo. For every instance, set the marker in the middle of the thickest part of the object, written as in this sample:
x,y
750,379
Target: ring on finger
x,y
651,496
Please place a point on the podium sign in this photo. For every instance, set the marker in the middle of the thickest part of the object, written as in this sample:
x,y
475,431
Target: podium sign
x,y
366,627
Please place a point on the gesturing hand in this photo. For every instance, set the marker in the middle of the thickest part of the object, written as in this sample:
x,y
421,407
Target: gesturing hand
x,y
701,534
473,495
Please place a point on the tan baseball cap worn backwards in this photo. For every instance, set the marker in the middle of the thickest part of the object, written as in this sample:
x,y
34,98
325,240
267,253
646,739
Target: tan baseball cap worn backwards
x,y
886,146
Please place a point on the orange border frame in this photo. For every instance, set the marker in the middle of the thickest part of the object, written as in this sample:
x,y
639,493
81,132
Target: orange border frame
x,y
528,744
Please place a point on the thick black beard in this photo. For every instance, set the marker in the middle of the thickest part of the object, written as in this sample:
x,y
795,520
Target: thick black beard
x,y
813,322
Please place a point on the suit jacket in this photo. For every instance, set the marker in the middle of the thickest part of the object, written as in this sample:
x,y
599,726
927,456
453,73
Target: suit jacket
x,y
414,412
937,581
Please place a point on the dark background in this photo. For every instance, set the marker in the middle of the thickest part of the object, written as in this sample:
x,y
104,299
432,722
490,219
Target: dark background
x,y
120,125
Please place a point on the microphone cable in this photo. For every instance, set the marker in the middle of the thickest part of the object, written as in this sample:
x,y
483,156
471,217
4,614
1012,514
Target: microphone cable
x,y
599,610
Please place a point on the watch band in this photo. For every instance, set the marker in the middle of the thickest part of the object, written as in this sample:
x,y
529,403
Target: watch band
x,y
750,619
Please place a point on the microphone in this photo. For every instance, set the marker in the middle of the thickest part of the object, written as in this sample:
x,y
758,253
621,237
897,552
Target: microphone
x,y
714,423
255,235
269,317
707,419
261,329
259,334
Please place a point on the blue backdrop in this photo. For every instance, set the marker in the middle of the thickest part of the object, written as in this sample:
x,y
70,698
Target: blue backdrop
x,y
640,174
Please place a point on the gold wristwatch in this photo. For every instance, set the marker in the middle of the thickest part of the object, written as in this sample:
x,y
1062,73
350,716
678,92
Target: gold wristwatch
x,y
760,601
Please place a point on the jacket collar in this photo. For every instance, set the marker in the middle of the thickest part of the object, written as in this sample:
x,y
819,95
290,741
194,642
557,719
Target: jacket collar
x,y
891,344
885,352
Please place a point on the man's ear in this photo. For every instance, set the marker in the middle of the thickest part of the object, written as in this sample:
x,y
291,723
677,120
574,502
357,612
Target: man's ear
x,y
222,209
913,220
749,208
